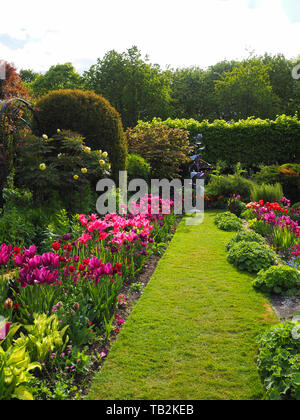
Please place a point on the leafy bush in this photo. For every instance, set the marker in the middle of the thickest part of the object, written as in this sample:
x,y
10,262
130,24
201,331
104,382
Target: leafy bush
x,y
229,185
43,336
165,149
251,256
283,280
267,174
246,236
61,165
266,192
16,228
138,167
288,175
89,114
229,222
15,366
235,205
278,361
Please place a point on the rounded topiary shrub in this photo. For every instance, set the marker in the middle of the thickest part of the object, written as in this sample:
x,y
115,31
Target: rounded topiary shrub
x,y
229,222
86,113
251,256
247,236
283,280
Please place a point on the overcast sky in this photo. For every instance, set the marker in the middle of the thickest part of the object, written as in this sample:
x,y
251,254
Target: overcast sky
x,y
37,34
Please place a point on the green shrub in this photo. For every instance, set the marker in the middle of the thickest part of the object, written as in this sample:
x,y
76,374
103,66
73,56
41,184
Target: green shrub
x,y
288,175
250,141
16,228
282,280
138,167
89,114
43,335
266,192
229,222
246,236
251,256
55,166
278,361
267,174
248,214
228,186
165,149
236,205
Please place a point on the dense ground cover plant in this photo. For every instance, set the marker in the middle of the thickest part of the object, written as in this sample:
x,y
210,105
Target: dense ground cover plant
x,y
251,256
280,279
229,222
247,236
278,361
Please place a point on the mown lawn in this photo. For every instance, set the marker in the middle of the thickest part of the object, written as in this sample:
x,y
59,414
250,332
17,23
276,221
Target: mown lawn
x,y
192,335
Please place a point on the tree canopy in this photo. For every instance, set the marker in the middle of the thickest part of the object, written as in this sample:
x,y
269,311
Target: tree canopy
x,y
260,86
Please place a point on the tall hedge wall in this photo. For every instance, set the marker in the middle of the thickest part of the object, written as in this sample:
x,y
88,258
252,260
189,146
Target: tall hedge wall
x,y
251,141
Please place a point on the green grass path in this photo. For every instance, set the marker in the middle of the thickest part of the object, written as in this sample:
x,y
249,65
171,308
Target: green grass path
x,y
192,334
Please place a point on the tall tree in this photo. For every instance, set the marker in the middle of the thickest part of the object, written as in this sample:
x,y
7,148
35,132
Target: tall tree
x,y
135,87
28,75
246,91
12,86
60,76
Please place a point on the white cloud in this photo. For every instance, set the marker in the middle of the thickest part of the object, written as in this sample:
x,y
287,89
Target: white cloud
x,y
194,32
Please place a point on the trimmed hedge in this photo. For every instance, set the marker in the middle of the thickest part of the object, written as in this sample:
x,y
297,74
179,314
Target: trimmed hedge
x,y
89,114
251,141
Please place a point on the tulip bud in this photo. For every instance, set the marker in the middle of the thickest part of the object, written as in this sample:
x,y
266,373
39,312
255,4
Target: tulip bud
x,y
8,304
76,306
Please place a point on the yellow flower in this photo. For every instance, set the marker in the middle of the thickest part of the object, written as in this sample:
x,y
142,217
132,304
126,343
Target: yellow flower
x,y
101,162
58,131
45,137
87,149
105,154
75,177
43,167
84,170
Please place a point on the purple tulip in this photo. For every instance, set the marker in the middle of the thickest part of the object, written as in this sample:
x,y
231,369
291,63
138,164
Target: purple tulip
x,y
66,237
4,331
5,253
95,263
108,269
